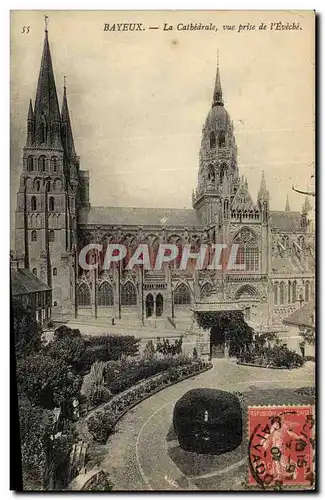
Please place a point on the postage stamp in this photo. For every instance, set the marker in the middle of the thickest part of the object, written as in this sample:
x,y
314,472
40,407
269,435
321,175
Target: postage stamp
x,y
281,446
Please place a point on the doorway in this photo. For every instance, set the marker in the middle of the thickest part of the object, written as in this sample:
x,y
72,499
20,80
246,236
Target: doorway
x,y
149,305
217,342
159,304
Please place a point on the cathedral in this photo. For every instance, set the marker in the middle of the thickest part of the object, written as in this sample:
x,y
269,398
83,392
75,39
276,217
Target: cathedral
x,y
54,220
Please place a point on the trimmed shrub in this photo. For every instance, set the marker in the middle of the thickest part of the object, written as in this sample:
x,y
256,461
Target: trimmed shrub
x,y
208,421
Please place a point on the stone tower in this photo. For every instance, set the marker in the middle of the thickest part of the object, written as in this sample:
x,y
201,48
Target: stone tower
x,y
218,177
52,188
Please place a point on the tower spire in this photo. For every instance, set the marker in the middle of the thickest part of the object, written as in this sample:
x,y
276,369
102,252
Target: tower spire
x,y
30,125
217,94
287,208
66,131
47,112
263,191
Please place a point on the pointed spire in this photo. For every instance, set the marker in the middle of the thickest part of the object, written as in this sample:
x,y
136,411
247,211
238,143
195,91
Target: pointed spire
x,y
30,116
47,112
217,94
30,125
66,131
306,206
287,208
263,191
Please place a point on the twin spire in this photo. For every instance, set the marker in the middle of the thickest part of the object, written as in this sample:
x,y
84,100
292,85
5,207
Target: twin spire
x,y
47,127
217,93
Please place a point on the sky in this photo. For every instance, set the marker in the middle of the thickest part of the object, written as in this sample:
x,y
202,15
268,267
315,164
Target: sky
x,y
138,100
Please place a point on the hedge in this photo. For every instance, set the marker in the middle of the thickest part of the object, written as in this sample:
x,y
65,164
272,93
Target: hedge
x,y
101,425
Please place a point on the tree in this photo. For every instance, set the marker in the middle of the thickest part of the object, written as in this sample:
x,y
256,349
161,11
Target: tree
x,y
94,384
113,347
308,334
64,331
149,350
70,349
232,323
27,331
36,426
46,381
167,348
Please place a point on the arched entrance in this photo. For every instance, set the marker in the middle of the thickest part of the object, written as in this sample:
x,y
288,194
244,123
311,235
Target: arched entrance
x,y
159,304
149,305
217,342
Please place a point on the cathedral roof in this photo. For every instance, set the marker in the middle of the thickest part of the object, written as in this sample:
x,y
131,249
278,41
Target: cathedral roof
x,y
283,265
140,216
285,221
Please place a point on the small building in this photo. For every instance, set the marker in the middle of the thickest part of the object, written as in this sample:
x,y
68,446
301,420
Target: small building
x,y
299,321
32,292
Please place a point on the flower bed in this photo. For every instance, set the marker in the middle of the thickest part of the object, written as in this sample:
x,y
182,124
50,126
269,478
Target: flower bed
x,y
277,356
101,424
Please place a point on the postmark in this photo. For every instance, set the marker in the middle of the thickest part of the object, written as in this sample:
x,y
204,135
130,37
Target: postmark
x,y
281,446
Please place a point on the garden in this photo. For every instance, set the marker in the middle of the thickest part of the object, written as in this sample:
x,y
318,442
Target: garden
x,y
74,388
266,351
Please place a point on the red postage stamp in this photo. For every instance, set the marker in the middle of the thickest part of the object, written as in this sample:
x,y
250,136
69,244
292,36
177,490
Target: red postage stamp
x,y
281,446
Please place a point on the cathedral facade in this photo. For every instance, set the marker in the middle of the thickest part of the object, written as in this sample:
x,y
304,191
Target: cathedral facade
x,y
54,220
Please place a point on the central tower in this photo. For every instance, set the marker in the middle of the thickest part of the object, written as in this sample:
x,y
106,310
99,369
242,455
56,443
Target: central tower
x,y
218,178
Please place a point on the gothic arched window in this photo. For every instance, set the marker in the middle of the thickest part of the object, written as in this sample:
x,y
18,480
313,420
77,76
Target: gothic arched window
x,y
206,290
251,259
282,292
275,291
33,203
54,163
226,208
37,185
294,291
289,292
83,295
51,204
34,236
285,241
223,172
42,132
182,295
42,164
51,236
30,164
222,139
55,271
129,295
211,176
301,242
212,140
105,295
35,271
307,291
